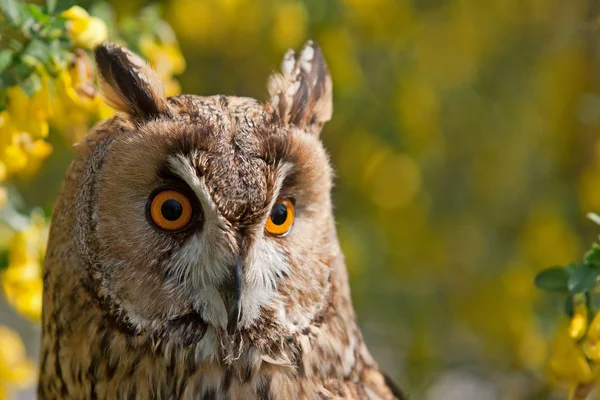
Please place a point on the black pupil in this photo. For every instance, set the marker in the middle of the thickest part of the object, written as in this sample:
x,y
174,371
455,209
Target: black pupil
x,y
279,214
171,210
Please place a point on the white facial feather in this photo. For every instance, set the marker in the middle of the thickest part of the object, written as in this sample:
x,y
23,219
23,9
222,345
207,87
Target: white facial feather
x,y
205,261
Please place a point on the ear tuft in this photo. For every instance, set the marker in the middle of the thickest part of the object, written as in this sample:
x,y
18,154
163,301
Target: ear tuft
x,y
128,83
301,94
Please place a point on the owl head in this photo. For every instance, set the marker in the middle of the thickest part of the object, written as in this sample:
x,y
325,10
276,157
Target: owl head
x,y
213,210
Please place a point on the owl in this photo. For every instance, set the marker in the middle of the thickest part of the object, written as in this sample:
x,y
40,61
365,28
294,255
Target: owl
x,y
193,251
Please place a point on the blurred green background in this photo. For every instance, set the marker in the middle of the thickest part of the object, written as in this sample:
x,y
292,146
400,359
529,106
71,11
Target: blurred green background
x,y
465,140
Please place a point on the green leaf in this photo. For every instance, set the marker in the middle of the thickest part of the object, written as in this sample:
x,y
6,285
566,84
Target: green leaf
x,y
569,308
553,279
583,278
38,50
12,10
593,302
3,97
5,59
59,57
62,5
593,256
50,6
4,259
15,74
37,13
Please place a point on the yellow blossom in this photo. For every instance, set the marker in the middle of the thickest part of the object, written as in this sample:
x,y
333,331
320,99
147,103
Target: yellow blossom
x,y
22,280
578,325
77,99
24,154
594,331
23,126
85,31
29,114
70,90
568,363
3,171
15,368
37,151
591,350
29,301
14,157
166,59
12,349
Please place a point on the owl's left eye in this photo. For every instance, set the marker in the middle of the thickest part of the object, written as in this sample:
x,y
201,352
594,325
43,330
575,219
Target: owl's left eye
x,y
170,210
281,218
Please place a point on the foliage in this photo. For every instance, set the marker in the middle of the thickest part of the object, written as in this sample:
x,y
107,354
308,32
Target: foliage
x,y
575,354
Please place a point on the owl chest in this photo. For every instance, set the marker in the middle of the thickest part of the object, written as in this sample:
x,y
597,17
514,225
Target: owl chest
x,y
81,369
90,369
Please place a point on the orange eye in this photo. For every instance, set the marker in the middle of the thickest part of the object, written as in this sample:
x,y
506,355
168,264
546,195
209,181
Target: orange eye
x,y
281,218
170,210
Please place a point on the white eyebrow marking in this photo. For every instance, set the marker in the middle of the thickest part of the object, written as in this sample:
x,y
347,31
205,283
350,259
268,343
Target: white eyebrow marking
x,y
181,166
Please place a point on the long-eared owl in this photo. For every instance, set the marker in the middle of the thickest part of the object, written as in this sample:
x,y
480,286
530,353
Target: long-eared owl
x,y
193,251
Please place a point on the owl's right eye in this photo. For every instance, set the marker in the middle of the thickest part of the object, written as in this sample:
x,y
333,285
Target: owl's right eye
x,y
170,210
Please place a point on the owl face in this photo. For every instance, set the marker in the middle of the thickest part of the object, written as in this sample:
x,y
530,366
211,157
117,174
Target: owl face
x,y
215,210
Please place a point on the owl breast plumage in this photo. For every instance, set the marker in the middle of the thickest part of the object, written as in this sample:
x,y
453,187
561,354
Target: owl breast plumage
x,y
193,251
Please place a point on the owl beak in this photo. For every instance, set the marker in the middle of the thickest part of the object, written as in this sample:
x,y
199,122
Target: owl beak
x,y
234,305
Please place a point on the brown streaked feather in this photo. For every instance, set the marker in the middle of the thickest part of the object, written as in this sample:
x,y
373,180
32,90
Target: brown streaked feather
x,y
128,83
301,94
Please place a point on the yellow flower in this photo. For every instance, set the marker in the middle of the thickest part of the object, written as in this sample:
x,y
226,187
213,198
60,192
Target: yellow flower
x,y
594,331
14,157
3,171
6,129
578,325
77,99
21,273
29,301
166,59
22,280
568,363
23,126
22,284
29,114
15,368
73,112
24,154
85,31
37,151
591,350
12,350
